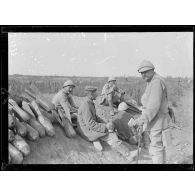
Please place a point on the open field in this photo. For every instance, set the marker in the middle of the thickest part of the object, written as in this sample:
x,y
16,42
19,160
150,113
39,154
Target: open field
x,y
62,150
133,86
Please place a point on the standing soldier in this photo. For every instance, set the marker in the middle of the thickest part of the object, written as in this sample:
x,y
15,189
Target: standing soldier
x,y
63,100
111,94
155,114
94,129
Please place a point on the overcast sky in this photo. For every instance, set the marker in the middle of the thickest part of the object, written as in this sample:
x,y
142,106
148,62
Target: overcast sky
x,y
100,54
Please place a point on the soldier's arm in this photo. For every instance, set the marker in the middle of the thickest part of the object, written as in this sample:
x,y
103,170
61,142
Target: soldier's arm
x,y
93,125
154,101
73,103
66,106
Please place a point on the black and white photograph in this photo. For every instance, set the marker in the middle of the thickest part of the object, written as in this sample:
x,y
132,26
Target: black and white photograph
x,y
100,97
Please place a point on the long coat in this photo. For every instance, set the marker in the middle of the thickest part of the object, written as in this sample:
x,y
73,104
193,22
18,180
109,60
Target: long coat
x,y
155,104
90,126
65,101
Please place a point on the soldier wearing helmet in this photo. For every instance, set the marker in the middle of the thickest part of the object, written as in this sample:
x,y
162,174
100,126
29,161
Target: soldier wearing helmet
x,y
155,115
63,100
111,95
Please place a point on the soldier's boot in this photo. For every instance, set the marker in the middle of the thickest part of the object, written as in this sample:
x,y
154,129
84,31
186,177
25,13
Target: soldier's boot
x,y
158,157
129,155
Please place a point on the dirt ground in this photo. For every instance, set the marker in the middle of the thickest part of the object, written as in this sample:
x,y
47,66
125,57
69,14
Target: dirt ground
x,y
62,150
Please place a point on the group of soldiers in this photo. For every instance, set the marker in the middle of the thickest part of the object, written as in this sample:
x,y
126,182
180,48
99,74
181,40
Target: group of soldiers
x,y
154,117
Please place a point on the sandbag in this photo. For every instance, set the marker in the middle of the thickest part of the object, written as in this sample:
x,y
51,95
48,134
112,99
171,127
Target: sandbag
x,y
21,114
37,126
20,128
11,122
49,129
16,155
10,135
27,108
32,134
21,145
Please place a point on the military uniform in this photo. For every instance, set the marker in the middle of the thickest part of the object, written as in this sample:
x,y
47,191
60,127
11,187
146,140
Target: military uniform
x,y
64,101
156,117
111,94
90,126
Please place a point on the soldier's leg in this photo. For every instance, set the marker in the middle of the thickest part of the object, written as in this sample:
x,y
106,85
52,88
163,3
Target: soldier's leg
x,y
156,148
116,144
145,139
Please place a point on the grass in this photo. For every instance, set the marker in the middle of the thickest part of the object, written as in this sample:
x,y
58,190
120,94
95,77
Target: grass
x,y
133,86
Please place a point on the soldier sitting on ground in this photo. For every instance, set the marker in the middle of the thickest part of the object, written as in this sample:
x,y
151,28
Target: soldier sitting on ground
x,y
94,129
111,95
63,100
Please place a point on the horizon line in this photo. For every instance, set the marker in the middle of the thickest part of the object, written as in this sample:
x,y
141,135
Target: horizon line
x,y
124,76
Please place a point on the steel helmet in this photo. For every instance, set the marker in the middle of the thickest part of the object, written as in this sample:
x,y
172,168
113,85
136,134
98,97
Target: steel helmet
x,y
145,65
68,83
111,79
123,106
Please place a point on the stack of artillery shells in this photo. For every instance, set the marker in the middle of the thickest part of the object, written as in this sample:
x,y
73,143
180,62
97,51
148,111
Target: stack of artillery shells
x,y
43,120
26,122
11,122
16,156
32,134
37,126
21,145
47,124
18,148
20,128
27,108
21,114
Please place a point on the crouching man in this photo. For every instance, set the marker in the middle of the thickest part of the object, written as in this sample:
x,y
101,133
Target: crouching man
x,y
121,122
63,100
111,94
94,129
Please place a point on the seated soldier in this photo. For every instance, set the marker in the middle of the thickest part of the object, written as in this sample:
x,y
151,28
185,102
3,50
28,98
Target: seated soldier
x,y
93,128
121,120
63,100
111,94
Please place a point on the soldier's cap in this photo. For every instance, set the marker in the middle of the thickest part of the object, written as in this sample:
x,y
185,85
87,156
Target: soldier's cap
x,y
90,88
111,79
123,106
145,66
68,83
